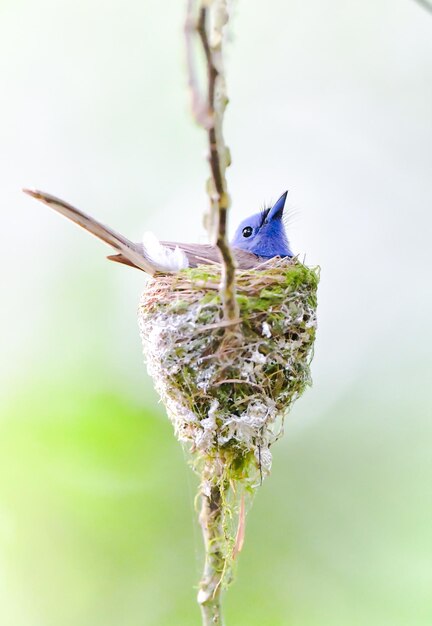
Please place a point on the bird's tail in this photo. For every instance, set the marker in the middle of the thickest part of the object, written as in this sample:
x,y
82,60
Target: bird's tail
x,y
130,252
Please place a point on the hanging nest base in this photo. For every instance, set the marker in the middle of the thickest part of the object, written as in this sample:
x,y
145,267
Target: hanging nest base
x,y
226,393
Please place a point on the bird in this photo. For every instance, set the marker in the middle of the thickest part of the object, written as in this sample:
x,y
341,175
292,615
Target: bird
x,y
258,238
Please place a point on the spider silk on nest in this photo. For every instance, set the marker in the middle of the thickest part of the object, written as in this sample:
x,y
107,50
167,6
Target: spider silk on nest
x,y
227,393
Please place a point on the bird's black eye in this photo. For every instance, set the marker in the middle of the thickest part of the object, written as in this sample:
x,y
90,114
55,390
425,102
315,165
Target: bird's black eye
x,y
247,231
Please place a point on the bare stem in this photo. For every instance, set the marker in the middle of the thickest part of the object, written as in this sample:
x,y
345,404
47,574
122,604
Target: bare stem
x,y
210,117
198,100
425,4
209,595
205,21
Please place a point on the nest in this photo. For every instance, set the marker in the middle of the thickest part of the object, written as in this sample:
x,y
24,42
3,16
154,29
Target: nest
x,y
227,393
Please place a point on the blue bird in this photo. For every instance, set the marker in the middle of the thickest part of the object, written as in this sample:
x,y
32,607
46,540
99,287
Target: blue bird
x,y
264,234
258,238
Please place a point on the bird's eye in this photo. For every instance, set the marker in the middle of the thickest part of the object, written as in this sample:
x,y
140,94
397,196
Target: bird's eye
x,y
247,231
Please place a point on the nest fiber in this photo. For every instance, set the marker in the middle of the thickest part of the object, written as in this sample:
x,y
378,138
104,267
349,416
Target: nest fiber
x,y
227,393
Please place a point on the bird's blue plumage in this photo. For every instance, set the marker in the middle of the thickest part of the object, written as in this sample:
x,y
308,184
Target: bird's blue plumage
x,y
261,236
264,234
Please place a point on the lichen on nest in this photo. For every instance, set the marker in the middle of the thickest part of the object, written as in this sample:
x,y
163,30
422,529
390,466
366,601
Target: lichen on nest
x,y
225,393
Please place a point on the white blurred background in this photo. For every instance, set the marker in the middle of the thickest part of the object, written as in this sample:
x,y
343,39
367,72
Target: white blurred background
x,y
332,101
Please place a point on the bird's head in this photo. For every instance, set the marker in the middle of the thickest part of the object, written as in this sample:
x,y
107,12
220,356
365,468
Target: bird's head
x,y
264,234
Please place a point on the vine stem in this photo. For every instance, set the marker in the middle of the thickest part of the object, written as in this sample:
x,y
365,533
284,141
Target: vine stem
x,y
425,4
208,111
210,590
205,23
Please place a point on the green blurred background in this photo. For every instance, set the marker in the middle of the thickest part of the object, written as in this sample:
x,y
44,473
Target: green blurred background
x,y
331,100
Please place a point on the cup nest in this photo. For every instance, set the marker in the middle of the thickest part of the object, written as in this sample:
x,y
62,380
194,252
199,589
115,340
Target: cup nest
x,y
227,393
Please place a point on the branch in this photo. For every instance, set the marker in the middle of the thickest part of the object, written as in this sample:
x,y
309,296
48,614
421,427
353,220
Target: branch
x,y
425,4
199,106
210,118
210,588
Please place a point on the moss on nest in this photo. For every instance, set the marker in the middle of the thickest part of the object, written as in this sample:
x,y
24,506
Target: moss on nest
x,y
227,393
221,393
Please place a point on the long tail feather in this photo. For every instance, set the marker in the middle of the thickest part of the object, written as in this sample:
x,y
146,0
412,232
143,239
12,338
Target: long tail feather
x,y
127,248
120,258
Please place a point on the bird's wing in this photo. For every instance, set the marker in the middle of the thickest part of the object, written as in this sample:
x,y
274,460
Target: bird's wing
x,y
199,254
135,254
130,253
246,260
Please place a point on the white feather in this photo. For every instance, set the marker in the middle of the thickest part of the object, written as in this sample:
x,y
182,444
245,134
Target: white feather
x,y
170,260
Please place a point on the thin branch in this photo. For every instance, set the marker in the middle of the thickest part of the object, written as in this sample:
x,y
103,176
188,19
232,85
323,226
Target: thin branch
x,y
199,106
212,121
425,4
209,594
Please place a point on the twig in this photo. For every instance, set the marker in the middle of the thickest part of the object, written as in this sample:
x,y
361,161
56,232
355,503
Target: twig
x,y
208,110
198,101
209,594
211,118
240,535
425,4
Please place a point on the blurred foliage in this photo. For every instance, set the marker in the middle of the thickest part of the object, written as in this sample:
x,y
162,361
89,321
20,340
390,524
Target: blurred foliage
x,y
96,517
330,100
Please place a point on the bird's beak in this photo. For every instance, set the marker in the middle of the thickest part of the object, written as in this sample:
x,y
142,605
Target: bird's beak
x,y
277,209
